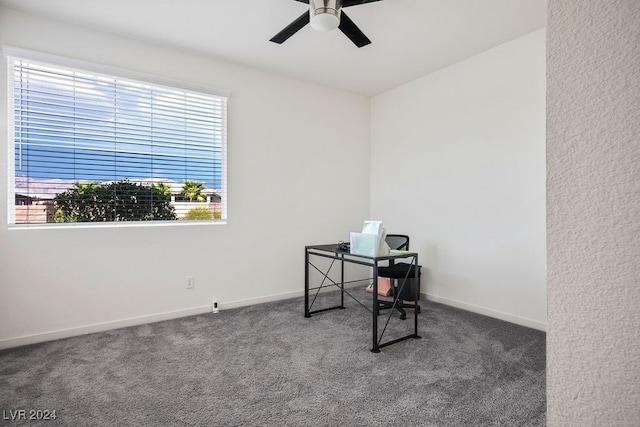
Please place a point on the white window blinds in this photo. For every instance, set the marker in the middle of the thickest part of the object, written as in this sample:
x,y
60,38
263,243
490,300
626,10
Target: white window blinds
x,y
90,147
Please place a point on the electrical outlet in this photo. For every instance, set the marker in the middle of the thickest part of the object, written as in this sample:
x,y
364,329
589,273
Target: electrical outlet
x,y
190,282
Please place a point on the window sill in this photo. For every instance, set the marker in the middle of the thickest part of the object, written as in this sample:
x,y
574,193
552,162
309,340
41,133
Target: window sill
x,y
114,224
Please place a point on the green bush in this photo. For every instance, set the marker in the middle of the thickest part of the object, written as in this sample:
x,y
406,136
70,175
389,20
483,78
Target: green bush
x,y
115,201
199,213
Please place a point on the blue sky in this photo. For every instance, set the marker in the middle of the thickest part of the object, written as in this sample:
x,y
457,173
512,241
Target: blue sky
x,y
72,126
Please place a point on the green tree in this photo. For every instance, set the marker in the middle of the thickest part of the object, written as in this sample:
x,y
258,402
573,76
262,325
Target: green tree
x,y
193,191
116,201
81,203
200,212
163,188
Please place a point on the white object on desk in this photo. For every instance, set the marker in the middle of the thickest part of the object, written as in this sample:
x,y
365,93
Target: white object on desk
x,y
365,244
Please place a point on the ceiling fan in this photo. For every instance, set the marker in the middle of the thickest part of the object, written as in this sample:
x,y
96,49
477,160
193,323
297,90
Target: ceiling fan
x,y
326,15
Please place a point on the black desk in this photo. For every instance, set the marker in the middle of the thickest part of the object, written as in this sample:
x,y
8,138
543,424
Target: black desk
x,y
332,252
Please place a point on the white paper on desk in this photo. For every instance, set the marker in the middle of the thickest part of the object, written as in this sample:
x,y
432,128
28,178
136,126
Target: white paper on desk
x,y
372,227
371,242
384,248
365,244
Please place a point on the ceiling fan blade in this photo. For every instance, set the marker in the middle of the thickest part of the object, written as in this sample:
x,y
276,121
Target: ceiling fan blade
x,y
352,31
303,1
291,29
347,3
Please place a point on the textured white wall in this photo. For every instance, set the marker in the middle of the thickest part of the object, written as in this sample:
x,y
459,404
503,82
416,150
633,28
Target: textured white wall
x,y
593,205
458,163
281,158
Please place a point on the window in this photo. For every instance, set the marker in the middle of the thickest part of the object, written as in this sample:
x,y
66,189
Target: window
x,y
91,147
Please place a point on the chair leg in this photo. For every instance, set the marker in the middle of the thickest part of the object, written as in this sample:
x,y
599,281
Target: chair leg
x,y
412,306
387,305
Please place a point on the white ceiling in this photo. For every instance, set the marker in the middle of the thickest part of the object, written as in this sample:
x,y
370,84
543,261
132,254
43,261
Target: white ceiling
x,y
410,38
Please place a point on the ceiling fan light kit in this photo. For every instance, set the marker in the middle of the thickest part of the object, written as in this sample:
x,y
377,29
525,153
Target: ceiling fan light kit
x,y
326,15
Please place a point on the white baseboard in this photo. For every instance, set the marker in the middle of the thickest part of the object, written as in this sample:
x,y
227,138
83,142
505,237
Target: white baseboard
x,y
141,320
529,323
260,300
101,327
134,321
518,320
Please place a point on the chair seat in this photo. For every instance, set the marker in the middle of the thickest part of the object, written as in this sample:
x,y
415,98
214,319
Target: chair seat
x,y
398,271
405,291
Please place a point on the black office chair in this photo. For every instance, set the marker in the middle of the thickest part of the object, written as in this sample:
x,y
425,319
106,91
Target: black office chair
x,y
396,272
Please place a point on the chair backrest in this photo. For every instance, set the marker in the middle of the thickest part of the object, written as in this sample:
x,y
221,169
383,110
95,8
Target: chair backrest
x,y
398,241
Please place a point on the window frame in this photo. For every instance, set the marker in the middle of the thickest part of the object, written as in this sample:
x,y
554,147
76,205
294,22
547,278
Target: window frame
x,y
10,53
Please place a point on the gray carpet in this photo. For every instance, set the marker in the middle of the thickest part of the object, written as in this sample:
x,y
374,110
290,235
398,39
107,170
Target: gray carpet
x,y
267,365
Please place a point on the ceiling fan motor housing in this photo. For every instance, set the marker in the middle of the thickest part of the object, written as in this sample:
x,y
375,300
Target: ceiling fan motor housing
x,y
324,14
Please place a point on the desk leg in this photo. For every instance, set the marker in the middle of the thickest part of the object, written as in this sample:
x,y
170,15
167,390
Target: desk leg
x,y
417,297
306,283
376,347
342,281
